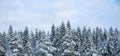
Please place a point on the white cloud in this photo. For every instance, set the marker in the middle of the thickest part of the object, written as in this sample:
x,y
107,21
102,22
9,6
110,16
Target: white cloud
x,y
92,2
1,13
25,13
11,3
11,18
17,3
70,13
41,14
63,4
65,9
93,22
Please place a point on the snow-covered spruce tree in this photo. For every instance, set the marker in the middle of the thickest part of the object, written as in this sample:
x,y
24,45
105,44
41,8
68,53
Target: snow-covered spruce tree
x,y
62,29
38,49
80,41
17,46
68,44
103,46
117,45
34,40
52,36
10,37
113,43
55,37
88,43
85,44
99,36
26,44
36,37
45,46
60,32
2,44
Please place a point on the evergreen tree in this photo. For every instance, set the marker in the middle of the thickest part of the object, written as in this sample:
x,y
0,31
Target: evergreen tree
x,y
26,43
113,42
17,46
10,39
2,44
68,25
52,33
62,29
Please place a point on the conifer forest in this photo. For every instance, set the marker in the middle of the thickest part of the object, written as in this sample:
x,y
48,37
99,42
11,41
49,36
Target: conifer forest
x,y
62,40
59,27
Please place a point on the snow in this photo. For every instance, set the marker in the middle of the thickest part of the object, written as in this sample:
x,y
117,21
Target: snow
x,y
42,50
67,51
49,54
14,54
2,49
51,48
15,50
20,46
94,54
48,43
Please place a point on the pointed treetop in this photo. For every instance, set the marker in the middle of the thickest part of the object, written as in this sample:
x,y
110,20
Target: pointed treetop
x,y
26,30
84,29
68,25
111,31
10,31
62,23
89,29
10,28
78,29
116,32
36,31
53,27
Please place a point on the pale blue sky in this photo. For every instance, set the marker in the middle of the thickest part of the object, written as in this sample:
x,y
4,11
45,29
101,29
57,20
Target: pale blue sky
x,y
42,14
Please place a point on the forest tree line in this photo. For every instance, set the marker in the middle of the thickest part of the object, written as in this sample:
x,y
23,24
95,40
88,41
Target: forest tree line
x,y
61,41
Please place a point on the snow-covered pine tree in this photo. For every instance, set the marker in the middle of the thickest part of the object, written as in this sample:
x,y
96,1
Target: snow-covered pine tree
x,y
26,44
60,32
52,36
56,37
113,42
88,43
62,29
17,46
80,41
68,44
2,44
9,39
45,46
35,39
104,43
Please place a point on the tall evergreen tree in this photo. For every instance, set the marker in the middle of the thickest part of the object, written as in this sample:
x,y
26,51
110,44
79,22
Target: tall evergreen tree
x,y
113,42
17,46
62,29
26,43
68,25
10,39
52,33
2,44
